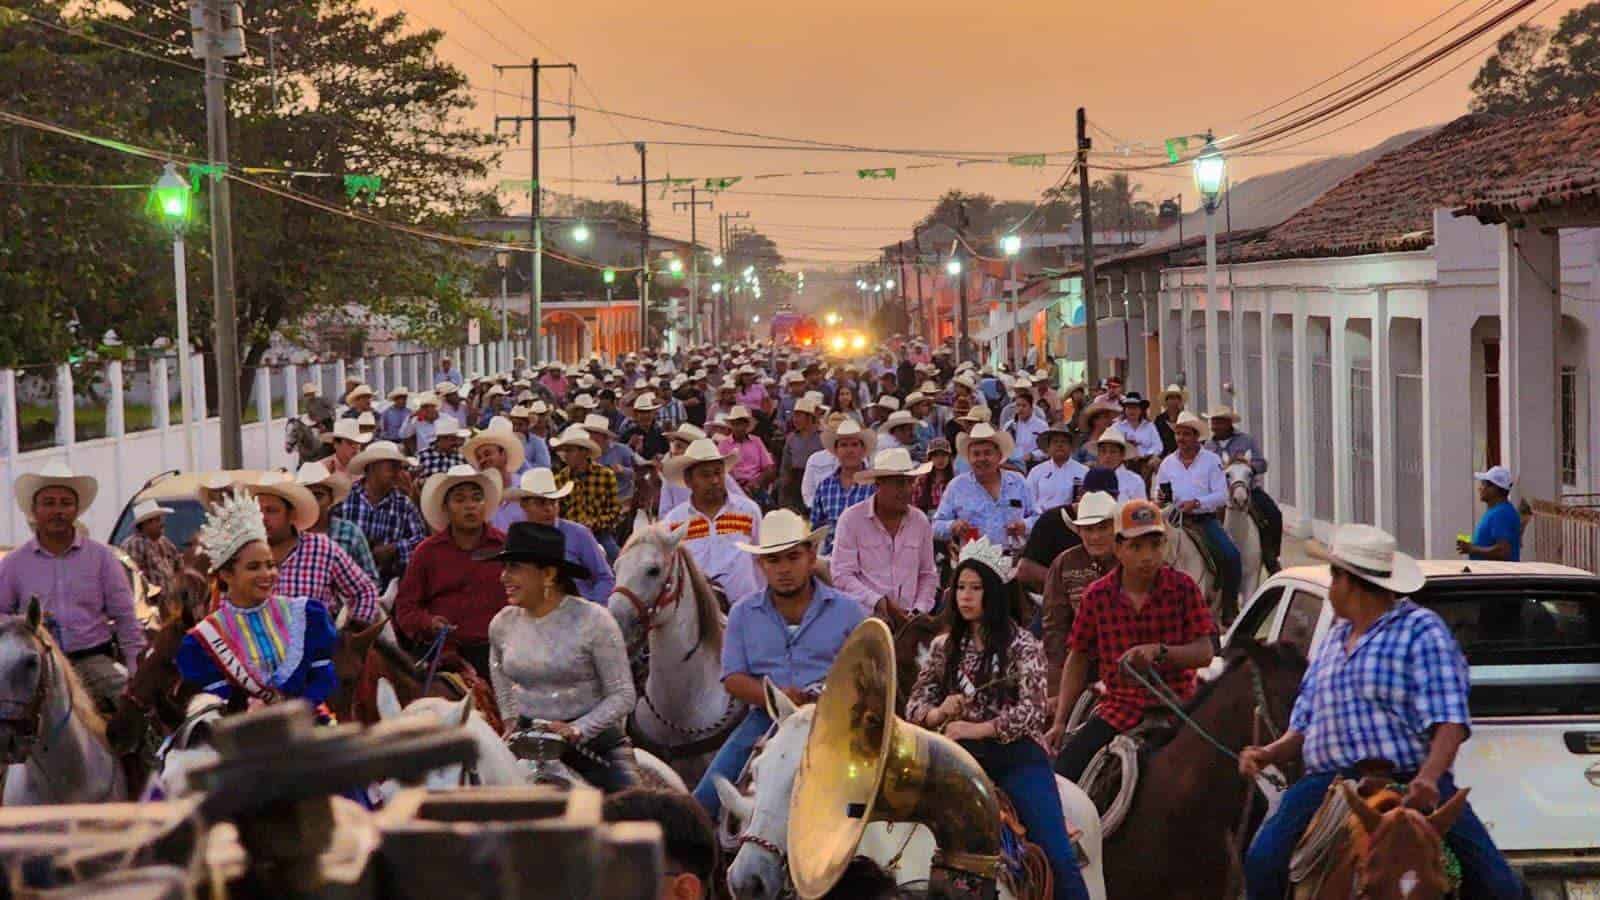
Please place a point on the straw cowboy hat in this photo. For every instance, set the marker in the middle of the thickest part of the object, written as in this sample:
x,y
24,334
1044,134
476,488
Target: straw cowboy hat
x,y
501,434
310,389
1187,419
810,405
446,388
586,401
646,402
1113,435
594,423
303,507
1175,390
348,429
438,487
847,429
377,451
147,509
894,462
1094,508
1100,408
889,402
896,419
55,474
399,393
447,426
316,473
1370,554
688,433
674,468
1223,412
982,432
740,413
1042,442
576,436
538,482
360,390
425,398
539,408
782,529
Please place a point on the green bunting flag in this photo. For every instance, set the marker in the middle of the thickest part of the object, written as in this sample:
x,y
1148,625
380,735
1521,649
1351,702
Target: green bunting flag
x,y
1176,147
199,171
517,184
875,173
1034,159
357,185
722,184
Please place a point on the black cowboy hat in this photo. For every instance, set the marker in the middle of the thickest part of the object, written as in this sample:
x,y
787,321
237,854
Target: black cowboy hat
x,y
1134,398
541,545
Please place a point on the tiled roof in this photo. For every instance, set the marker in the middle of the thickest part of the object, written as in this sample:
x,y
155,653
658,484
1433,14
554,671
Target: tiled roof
x,y
1477,159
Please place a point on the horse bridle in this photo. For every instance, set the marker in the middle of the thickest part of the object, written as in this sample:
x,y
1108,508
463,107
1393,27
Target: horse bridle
x,y
671,592
29,725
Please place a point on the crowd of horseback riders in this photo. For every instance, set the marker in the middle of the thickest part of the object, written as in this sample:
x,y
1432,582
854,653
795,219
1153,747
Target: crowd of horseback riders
x,y
530,542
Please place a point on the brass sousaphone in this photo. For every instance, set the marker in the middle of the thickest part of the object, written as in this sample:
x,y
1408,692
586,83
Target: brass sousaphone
x,y
863,764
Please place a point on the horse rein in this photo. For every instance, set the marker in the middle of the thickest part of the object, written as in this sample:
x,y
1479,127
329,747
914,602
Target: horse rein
x,y
671,592
1159,690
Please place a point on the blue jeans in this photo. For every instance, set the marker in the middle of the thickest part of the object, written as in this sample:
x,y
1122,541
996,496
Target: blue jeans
x,y
730,759
1484,872
1232,570
1022,770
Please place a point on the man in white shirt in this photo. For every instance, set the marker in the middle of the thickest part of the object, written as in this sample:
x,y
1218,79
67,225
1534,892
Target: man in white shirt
x,y
1111,448
717,521
1192,479
1055,481
1026,427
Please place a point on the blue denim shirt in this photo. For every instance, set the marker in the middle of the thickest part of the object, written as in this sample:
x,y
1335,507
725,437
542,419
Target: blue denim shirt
x,y
964,498
758,641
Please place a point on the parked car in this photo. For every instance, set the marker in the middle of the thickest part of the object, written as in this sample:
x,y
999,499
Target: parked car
x,y
1531,634
178,492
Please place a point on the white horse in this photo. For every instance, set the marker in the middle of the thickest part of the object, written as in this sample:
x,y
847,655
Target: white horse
x,y
662,599
760,870
53,739
186,749
1241,528
1184,554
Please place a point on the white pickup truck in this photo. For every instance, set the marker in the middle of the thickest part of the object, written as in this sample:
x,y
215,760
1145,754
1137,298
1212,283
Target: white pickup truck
x,y
1531,633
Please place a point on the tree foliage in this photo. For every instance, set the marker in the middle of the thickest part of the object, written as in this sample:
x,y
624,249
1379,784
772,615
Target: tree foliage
x,y
1538,68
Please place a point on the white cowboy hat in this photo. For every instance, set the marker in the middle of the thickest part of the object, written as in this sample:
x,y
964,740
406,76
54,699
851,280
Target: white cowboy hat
x,y
645,402
501,434
367,420
55,474
425,398
401,391
780,530
979,413
810,405
981,432
519,412
1113,435
586,401
1223,412
1370,554
147,509
688,433
303,507
576,436
310,389
360,390
896,419
538,482
846,429
888,401
594,423
739,413
1094,508
438,487
673,469
348,429
1187,419
891,463
377,451
539,408
315,473
446,388
447,426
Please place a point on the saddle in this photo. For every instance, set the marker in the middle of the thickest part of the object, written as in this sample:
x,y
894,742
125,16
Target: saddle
x,y
1112,777
1208,553
1319,845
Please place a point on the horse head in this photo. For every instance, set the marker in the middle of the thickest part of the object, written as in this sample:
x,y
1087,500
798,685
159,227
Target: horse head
x,y
760,869
26,661
1399,852
1276,671
495,765
1239,476
645,571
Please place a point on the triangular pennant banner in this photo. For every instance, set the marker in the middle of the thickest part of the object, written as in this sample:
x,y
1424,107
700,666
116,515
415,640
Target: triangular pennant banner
x,y
358,185
1034,159
517,184
722,184
1176,147
199,171
875,173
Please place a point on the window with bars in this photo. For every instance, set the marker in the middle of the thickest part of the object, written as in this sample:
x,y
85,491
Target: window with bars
x,y
1569,426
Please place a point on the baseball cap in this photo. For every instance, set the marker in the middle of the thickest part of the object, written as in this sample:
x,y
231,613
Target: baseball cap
x,y
1101,479
1499,476
1138,517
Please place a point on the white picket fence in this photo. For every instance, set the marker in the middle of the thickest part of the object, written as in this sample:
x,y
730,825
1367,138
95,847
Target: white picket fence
x,y
124,460
1566,534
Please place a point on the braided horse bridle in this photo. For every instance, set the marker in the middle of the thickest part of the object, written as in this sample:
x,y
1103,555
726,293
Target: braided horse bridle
x,y
670,594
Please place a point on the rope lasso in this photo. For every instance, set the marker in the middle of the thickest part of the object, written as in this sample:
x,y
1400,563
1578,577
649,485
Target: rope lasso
x,y
1167,699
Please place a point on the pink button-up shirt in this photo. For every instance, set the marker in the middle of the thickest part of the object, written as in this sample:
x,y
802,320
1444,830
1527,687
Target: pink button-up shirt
x,y
753,458
753,396
868,563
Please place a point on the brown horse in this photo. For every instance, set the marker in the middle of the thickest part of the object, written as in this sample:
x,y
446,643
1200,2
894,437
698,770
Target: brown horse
x,y
454,679
1190,795
1389,851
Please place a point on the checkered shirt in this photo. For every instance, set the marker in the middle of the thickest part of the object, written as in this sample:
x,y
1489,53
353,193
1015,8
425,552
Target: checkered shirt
x,y
671,414
1106,626
394,520
832,499
320,569
352,541
594,501
434,461
1405,675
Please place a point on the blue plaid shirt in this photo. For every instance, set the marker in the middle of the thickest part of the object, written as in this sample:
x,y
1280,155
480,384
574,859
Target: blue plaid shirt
x,y
832,499
965,499
1405,675
394,520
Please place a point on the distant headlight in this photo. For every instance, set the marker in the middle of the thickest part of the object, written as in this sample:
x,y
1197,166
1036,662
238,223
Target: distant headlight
x,y
838,343
859,342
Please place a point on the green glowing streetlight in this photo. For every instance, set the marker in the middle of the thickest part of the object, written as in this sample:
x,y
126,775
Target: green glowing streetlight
x,y
171,198
1210,173
609,276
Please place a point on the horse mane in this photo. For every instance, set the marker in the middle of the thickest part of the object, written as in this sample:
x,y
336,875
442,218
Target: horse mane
x,y
83,704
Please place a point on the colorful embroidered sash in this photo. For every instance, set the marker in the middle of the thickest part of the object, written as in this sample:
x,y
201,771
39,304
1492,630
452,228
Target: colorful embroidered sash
x,y
257,649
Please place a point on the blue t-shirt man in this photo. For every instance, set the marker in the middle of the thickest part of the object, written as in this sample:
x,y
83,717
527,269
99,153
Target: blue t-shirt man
x,y
1500,522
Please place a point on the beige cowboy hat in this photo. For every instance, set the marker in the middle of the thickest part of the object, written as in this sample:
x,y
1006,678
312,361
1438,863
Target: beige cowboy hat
x,y
400,392
446,388
425,398
846,429
1222,412
896,419
780,530
673,469
312,474
1094,508
55,474
981,432
499,433
810,405
688,433
1187,419
377,451
895,462
146,509
437,488
348,429
303,507
447,426
1371,555
646,402
519,412
576,436
539,408
1175,389
538,482
739,413
367,422
889,402
586,401
310,389
594,423
1098,407
360,390
977,414
1113,435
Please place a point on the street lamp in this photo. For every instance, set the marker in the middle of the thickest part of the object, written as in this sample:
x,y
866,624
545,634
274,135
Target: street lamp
x,y
171,200
889,285
1012,245
1211,178
676,267
717,260
580,233
953,267
503,259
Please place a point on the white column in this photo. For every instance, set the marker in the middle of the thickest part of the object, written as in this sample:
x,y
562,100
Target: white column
x,y
160,410
8,445
1447,488
264,415
339,376
197,366
66,418
1343,447
1213,330
291,394
1383,484
1164,339
116,425
1190,366
1240,365
1267,436
1530,315
375,371
1304,461
315,373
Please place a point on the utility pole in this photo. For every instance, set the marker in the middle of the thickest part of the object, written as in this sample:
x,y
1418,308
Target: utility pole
x,y
1091,318
644,182
693,206
726,312
220,37
923,319
536,194
961,235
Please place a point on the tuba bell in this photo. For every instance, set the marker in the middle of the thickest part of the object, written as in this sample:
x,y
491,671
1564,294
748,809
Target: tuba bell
x,y
862,763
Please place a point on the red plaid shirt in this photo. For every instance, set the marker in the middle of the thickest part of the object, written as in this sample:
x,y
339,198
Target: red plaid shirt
x,y
320,569
1107,626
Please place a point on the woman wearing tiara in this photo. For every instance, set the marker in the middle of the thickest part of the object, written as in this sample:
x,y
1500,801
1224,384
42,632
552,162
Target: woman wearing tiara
x,y
982,685
257,646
